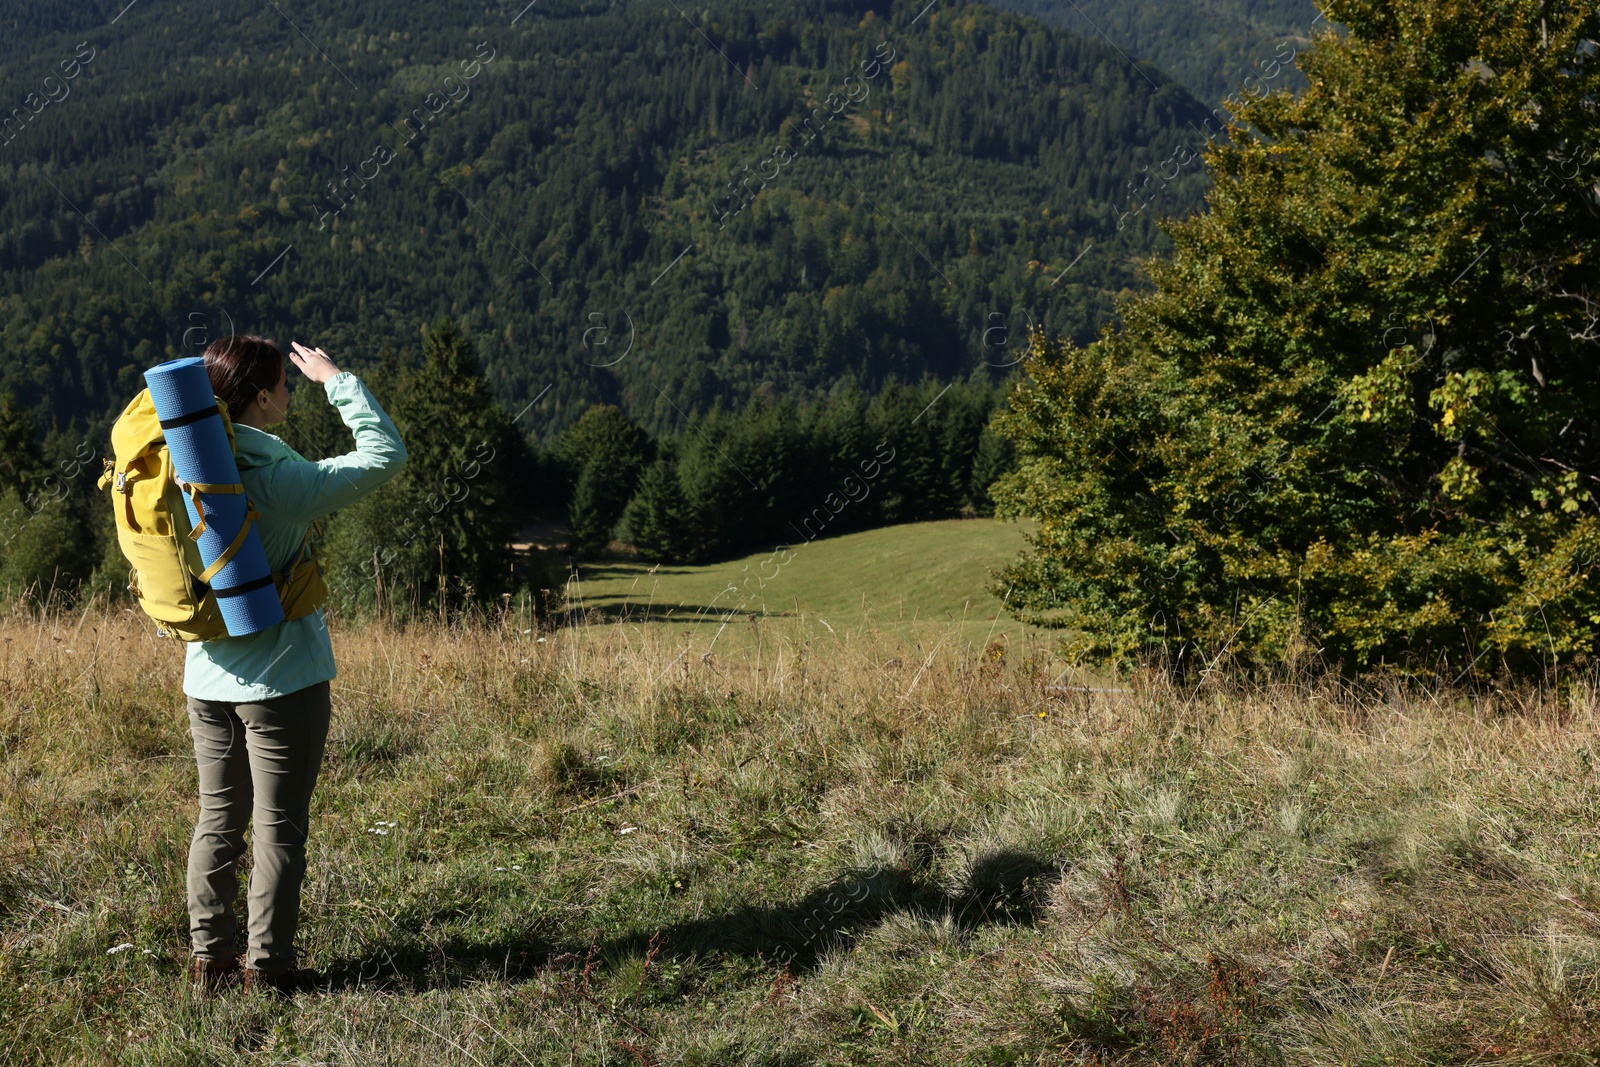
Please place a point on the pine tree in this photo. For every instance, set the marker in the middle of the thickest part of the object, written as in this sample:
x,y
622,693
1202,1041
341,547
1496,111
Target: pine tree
x,y
995,456
438,535
604,452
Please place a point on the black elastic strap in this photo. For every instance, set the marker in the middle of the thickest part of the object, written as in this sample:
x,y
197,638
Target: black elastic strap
x,y
241,590
184,420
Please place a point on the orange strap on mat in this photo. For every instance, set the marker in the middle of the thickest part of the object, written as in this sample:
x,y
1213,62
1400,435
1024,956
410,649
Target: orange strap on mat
x,y
228,553
194,489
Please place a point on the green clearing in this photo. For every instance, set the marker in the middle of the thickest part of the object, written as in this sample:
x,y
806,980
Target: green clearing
x,y
907,580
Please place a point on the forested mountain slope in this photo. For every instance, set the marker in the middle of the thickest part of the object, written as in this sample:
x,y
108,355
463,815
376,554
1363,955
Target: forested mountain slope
x,y
581,183
1211,46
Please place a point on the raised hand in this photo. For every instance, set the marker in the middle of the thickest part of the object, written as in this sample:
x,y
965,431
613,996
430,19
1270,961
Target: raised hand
x,y
313,362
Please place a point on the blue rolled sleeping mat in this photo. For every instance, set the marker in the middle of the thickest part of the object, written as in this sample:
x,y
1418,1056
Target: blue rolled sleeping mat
x,y
202,455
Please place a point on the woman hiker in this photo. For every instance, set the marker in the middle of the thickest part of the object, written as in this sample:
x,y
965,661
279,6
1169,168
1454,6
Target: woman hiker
x,y
259,705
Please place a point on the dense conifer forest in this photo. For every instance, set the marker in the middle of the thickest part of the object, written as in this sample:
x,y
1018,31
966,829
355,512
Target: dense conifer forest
x,y
701,263
1216,48
619,202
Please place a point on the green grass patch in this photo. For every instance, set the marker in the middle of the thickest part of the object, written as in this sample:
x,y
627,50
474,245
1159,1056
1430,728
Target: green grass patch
x,y
878,849
918,577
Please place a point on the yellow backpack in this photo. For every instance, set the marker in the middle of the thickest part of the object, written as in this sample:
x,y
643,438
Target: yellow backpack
x,y
167,574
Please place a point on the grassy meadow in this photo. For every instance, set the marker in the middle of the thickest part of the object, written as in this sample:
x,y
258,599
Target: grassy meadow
x,y
924,577
640,843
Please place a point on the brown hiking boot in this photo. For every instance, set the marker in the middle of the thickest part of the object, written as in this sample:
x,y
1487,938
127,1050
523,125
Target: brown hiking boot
x,y
284,983
209,977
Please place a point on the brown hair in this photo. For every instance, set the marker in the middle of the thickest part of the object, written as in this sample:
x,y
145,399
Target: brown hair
x,y
240,366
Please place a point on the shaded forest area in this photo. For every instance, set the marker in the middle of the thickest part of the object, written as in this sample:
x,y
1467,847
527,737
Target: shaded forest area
x,y
620,204
440,537
1211,46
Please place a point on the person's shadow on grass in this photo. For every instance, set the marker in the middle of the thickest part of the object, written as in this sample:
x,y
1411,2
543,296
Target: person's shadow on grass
x,y
1005,887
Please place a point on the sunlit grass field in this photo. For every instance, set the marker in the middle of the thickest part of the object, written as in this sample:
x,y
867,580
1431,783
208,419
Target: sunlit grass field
x,y
623,844
926,577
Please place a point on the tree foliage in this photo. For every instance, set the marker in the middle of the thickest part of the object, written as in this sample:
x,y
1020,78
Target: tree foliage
x,y
42,552
781,473
1359,413
1211,46
436,537
179,193
603,453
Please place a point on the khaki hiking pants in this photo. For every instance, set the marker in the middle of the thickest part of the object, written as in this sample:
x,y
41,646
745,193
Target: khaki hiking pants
x,y
257,760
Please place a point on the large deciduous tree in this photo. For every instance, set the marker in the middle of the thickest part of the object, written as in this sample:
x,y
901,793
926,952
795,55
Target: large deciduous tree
x,y
1359,412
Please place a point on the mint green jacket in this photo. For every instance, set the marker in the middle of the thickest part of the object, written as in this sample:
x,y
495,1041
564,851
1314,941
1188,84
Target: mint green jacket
x,y
291,492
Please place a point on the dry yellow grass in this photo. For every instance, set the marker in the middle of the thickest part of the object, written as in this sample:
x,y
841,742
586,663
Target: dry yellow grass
x,y
610,847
